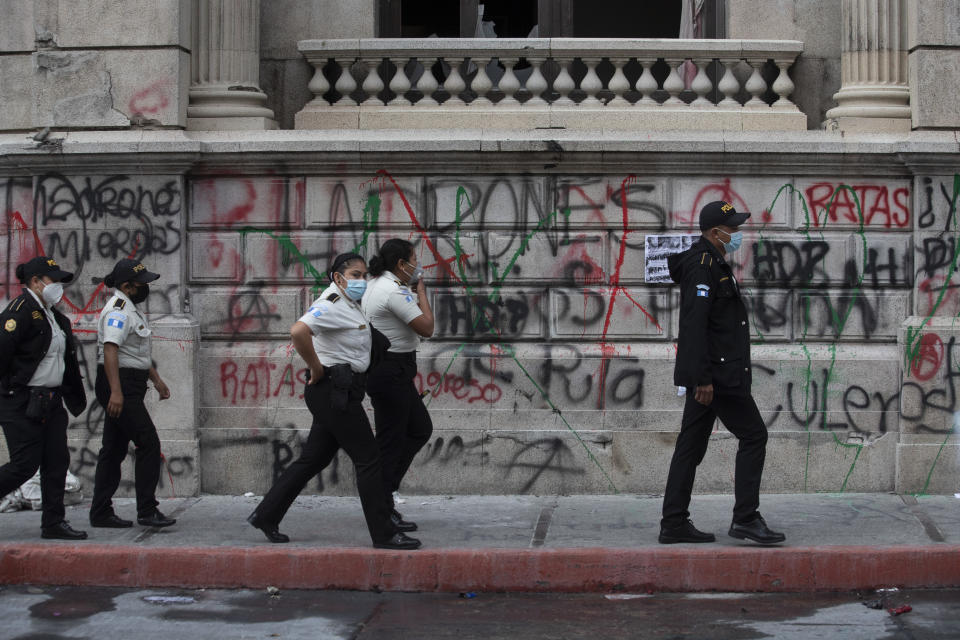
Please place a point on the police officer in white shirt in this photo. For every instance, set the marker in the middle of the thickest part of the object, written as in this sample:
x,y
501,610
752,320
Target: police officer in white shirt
x,y
397,305
334,338
124,364
39,373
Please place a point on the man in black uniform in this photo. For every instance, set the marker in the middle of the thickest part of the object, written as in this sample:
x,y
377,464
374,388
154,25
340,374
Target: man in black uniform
x,y
713,363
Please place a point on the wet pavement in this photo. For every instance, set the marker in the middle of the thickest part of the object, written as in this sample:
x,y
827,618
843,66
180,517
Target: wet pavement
x,y
37,613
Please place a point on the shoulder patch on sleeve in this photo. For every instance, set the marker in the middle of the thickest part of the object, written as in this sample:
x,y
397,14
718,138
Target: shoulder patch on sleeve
x,y
318,310
703,290
120,303
116,320
10,325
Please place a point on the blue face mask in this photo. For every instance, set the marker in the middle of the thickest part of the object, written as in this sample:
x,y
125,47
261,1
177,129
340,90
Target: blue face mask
x,y
355,289
736,239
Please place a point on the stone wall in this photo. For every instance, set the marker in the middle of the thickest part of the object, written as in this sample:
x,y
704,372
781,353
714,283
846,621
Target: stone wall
x,y
94,63
551,368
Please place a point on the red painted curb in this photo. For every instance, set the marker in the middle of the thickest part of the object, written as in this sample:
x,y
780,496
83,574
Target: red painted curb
x,y
561,570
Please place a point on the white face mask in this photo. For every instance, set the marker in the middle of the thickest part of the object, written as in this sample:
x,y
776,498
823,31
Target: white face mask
x,y
52,293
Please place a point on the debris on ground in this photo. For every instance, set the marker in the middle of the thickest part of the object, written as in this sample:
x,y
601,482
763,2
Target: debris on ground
x,y
888,590
873,604
468,594
248,494
901,609
626,596
169,599
274,592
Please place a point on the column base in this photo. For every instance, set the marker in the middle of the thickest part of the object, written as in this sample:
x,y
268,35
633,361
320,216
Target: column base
x,y
231,123
860,124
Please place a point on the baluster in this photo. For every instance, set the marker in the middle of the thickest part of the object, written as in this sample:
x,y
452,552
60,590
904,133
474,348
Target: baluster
x,y
674,84
536,84
783,86
400,84
646,83
701,85
563,84
345,83
509,84
756,85
729,85
372,84
318,84
591,83
619,84
481,84
427,84
454,84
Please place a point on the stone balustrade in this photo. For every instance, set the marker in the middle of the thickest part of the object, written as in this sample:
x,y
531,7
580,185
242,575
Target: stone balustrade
x,y
573,83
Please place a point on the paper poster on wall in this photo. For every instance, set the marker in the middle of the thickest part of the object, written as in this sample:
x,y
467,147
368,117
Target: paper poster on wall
x,y
656,250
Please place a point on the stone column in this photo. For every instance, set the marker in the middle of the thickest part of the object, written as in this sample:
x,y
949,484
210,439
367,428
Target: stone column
x,y
225,68
874,92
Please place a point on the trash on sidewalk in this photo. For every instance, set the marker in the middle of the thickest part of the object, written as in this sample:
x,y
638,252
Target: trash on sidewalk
x,y
169,599
888,590
248,494
873,604
626,596
468,594
901,609
27,496
274,592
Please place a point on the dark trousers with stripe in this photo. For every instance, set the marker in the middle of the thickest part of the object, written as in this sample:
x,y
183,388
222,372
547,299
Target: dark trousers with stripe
x,y
741,417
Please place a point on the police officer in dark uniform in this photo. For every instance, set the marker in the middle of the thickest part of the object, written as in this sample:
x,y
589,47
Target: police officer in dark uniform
x,y
39,373
336,341
713,364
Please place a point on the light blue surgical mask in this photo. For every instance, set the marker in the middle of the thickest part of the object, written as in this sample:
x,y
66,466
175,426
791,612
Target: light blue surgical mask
x,y
736,239
355,289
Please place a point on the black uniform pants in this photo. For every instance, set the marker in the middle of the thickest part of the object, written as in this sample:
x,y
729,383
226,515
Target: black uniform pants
x,y
334,429
401,420
741,417
36,445
132,425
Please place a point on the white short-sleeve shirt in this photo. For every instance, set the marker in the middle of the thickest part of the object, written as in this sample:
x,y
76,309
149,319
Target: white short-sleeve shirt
x,y
122,324
341,334
390,306
49,372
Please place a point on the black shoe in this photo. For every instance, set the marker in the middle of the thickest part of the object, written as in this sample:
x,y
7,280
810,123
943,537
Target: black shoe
x,y
399,541
756,530
272,531
62,531
156,519
685,532
400,524
112,521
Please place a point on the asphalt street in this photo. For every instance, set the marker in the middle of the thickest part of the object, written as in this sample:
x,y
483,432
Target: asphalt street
x,y
54,613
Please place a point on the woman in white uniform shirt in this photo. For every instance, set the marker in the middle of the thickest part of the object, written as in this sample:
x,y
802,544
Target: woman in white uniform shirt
x,y
398,306
334,339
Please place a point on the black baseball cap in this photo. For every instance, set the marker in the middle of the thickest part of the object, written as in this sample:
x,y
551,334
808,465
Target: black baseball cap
x,y
718,212
129,270
42,266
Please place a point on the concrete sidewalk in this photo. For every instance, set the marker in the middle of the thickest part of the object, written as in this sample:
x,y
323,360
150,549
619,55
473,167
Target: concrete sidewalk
x,y
506,543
